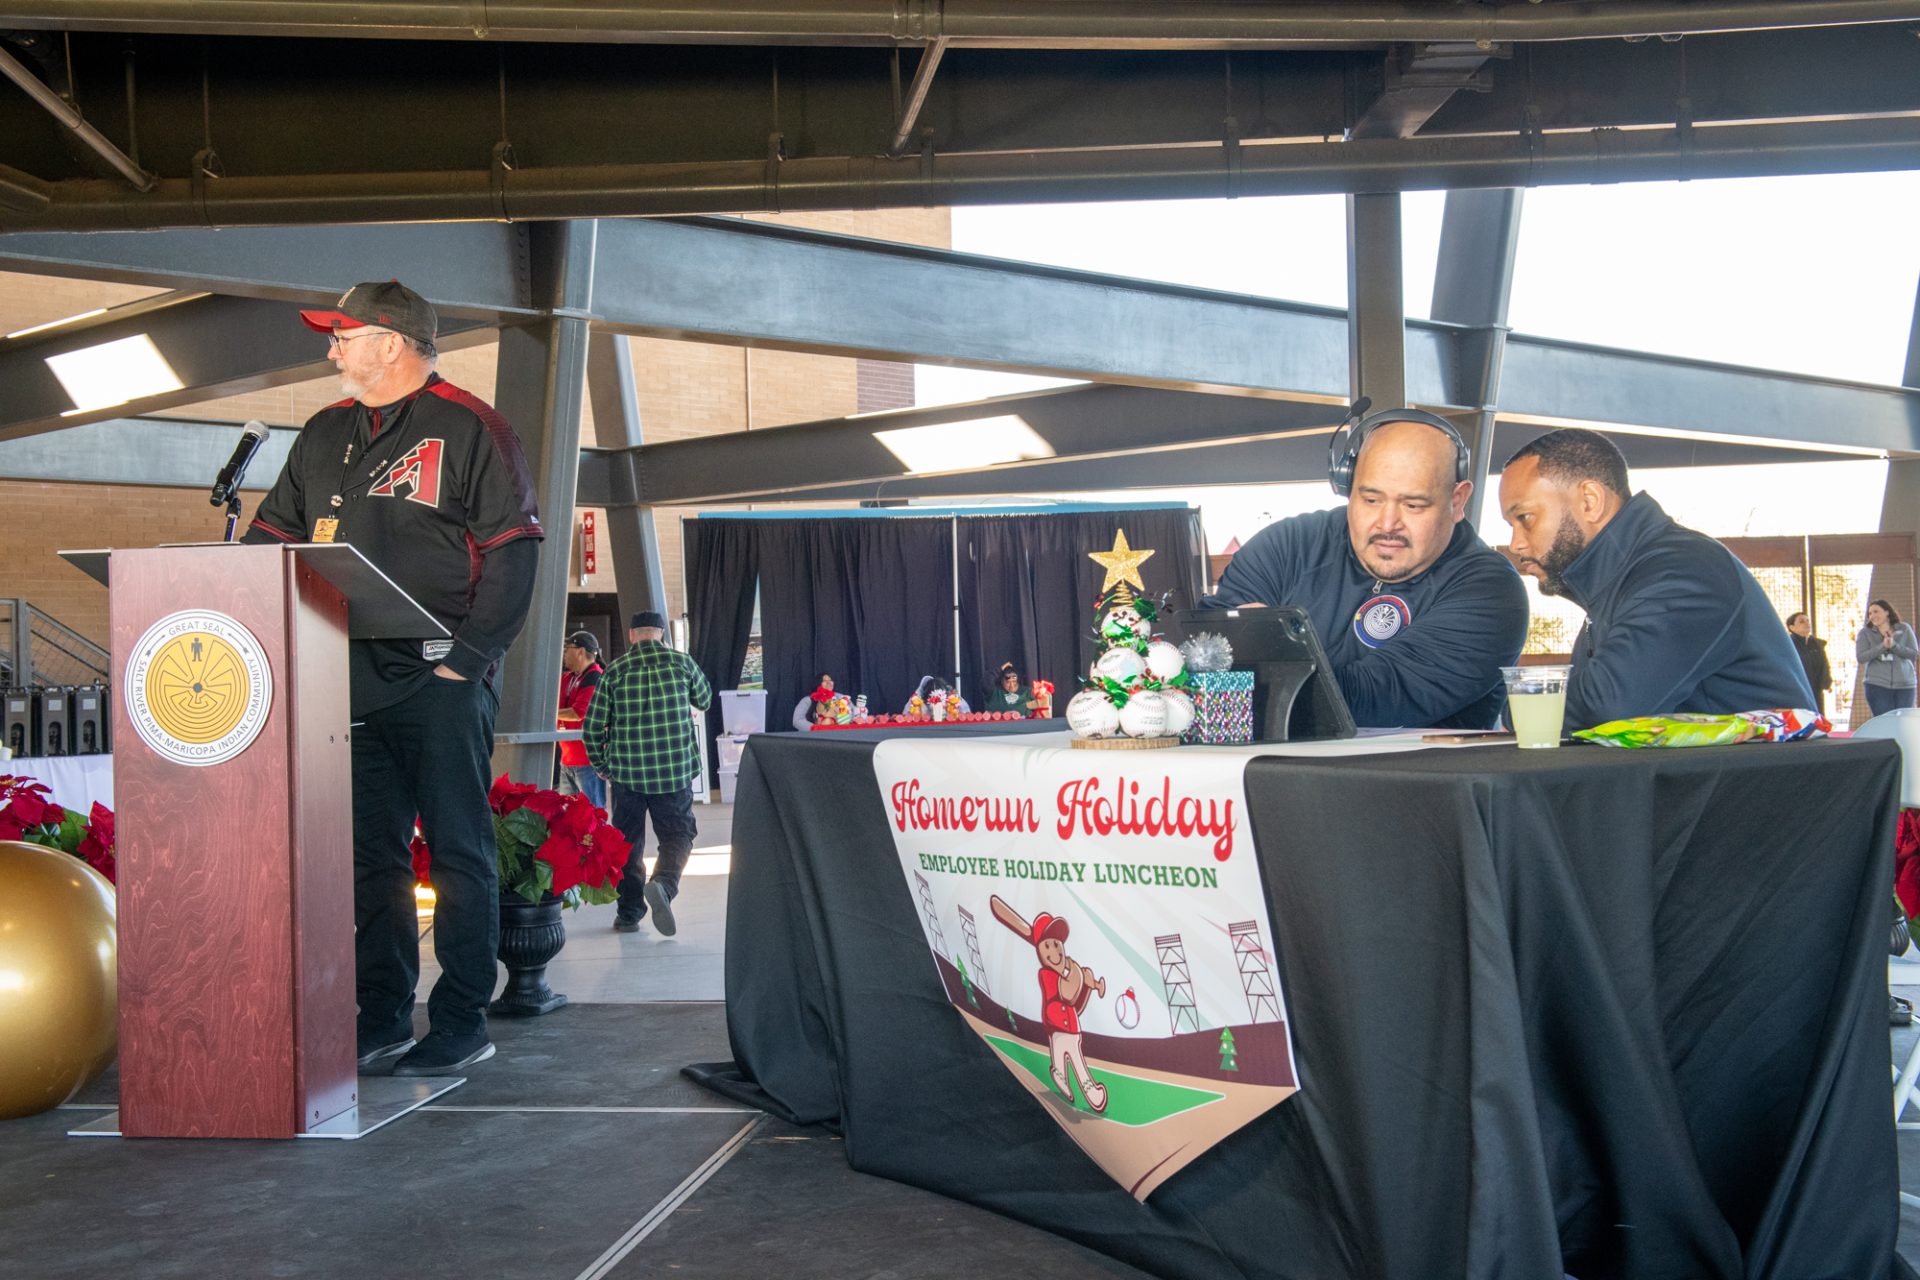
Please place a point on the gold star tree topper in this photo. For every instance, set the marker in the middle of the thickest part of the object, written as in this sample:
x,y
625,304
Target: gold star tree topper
x,y
1122,563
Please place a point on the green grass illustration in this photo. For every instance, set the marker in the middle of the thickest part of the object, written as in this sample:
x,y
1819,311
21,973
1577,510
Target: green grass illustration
x,y
1131,1100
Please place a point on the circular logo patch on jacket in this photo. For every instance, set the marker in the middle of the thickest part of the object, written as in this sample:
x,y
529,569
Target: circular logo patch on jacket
x,y
1381,619
198,687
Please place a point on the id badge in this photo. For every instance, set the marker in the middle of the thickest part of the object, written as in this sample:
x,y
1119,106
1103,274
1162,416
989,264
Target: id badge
x,y
324,527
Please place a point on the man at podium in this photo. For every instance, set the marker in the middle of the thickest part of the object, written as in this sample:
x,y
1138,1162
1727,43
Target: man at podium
x,y
430,484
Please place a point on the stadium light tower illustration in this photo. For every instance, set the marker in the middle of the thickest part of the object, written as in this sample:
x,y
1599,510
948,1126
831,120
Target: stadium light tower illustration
x,y
932,914
1256,978
971,933
1178,981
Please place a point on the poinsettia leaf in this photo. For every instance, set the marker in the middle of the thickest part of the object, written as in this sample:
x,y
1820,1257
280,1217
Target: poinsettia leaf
x,y
543,876
73,829
518,834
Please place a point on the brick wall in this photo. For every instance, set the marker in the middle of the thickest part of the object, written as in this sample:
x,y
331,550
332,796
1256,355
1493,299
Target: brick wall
x,y
885,384
37,520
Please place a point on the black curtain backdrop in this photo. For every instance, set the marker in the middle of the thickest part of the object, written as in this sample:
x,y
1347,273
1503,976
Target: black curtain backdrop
x,y
868,600
871,599
1027,587
722,568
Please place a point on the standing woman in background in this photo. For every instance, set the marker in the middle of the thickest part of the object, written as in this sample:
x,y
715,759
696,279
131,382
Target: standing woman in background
x,y
1886,648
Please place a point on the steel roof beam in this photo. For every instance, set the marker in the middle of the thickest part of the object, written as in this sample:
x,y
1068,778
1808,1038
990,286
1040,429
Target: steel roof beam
x,y
750,284
1027,24
771,184
215,346
476,269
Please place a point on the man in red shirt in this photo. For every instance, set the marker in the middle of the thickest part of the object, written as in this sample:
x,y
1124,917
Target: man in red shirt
x,y
581,658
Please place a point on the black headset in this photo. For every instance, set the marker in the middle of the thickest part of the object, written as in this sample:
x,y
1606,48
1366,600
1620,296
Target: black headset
x,y
1343,447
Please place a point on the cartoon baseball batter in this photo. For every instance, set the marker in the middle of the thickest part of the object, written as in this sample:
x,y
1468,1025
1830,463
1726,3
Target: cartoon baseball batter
x,y
1065,988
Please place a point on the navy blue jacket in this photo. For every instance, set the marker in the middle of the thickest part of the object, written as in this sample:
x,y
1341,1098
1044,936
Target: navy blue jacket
x,y
1674,623
1422,653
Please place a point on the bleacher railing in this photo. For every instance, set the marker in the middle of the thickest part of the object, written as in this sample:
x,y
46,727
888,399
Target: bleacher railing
x,y
38,651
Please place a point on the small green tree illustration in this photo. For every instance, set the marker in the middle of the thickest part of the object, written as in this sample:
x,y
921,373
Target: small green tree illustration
x,y
1013,1022
1227,1060
966,983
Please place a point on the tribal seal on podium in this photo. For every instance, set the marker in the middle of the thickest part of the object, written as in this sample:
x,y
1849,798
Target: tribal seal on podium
x,y
198,687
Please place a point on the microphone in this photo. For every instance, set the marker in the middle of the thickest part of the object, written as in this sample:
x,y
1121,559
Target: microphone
x,y
1359,409
228,481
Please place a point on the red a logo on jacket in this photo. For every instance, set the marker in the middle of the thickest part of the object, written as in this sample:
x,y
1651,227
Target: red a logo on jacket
x,y
417,472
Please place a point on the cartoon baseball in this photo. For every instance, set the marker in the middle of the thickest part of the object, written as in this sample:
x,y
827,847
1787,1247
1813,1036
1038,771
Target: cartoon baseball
x,y
1065,989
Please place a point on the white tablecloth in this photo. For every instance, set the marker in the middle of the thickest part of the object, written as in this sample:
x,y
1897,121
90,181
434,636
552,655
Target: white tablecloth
x,y
77,781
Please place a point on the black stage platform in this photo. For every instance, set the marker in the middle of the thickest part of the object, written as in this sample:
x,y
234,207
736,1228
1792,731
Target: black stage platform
x,y
577,1152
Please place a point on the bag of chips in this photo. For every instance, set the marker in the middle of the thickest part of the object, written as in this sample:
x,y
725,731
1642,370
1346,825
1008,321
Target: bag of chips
x,y
1687,730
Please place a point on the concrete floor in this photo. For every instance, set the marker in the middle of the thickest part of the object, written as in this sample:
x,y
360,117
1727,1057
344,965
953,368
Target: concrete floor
x,y
599,966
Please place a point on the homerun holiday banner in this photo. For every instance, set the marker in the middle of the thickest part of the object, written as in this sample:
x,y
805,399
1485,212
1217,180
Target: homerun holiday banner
x,y
1098,920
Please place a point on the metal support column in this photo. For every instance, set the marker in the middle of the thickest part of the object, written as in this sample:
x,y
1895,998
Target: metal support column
x,y
632,535
1472,285
538,387
1376,316
1911,376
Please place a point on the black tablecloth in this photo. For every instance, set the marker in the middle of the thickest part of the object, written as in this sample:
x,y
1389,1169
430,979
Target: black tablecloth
x,y
1617,1013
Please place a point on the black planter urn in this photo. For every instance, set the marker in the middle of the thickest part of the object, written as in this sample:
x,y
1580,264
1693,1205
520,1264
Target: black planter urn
x,y
531,934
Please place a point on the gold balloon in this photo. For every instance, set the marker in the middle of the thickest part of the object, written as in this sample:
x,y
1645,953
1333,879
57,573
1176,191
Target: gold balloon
x,y
58,977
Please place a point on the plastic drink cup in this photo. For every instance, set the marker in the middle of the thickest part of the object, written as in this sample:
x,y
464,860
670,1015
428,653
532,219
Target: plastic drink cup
x,y
1537,703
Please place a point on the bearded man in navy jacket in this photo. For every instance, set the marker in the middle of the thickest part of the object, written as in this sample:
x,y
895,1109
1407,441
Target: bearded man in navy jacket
x,y
1674,622
1417,615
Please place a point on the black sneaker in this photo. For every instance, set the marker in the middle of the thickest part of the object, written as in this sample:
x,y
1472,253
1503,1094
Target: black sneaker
x,y
656,895
442,1054
626,924
375,1046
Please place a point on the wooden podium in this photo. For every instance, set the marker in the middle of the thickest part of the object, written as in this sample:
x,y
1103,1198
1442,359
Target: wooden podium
x,y
234,829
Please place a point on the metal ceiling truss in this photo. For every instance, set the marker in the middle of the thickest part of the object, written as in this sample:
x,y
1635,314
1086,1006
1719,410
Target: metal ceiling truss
x,y
248,130
1029,24
750,284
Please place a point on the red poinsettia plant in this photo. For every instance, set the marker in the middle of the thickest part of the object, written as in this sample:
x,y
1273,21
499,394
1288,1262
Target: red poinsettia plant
x,y
27,812
549,844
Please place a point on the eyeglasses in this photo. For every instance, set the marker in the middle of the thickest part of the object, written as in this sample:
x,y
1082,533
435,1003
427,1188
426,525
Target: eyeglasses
x,y
335,340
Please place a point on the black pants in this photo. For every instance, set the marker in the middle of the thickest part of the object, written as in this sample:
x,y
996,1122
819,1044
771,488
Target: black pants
x,y
673,832
429,755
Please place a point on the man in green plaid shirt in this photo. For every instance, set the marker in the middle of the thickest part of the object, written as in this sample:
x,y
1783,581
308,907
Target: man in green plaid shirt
x,y
640,738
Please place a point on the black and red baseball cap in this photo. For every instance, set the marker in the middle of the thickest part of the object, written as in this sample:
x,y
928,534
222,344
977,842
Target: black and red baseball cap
x,y
386,303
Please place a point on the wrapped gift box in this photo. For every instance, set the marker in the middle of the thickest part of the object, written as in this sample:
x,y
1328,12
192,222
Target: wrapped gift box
x,y
1222,707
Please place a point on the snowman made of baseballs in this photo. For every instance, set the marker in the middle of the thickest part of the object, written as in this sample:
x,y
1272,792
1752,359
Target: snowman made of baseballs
x,y
1092,715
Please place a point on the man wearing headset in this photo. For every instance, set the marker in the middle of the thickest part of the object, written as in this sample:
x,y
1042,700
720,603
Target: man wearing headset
x,y
1417,615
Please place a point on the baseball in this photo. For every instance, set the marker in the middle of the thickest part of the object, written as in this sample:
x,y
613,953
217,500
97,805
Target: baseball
x,y
1144,716
1179,711
1123,665
1164,661
1090,715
